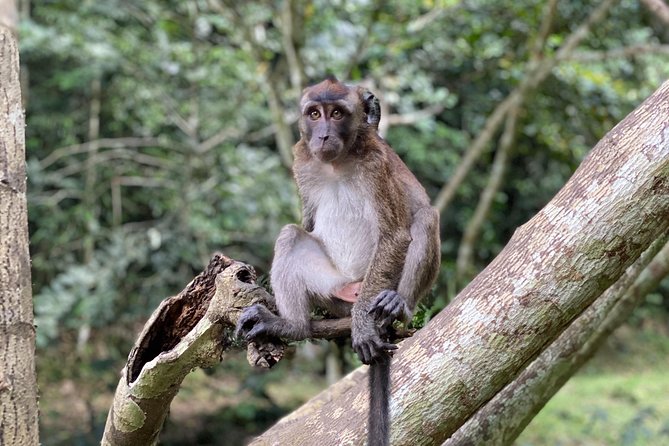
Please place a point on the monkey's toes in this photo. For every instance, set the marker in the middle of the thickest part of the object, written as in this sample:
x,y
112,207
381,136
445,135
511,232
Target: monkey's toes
x,y
373,350
247,321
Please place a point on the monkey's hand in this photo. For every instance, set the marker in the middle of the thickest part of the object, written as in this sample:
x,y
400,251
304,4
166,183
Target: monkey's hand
x,y
389,306
368,344
255,321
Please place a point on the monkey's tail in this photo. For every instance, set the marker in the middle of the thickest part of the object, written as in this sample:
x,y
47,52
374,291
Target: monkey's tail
x,y
378,433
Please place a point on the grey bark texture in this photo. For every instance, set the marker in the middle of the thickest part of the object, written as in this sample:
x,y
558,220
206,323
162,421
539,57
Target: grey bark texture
x,y
18,386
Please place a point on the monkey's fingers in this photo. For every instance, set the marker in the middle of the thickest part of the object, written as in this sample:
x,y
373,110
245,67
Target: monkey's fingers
x,y
367,347
388,306
243,325
383,351
378,305
373,350
364,352
387,349
388,346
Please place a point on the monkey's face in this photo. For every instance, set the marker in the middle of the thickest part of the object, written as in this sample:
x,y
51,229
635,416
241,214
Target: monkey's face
x,y
331,116
329,128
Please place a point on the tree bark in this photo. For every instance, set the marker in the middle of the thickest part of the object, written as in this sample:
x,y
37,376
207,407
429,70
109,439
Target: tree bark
x,y
18,386
554,267
9,16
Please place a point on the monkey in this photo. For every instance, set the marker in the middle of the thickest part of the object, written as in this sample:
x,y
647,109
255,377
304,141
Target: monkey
x,y
368,245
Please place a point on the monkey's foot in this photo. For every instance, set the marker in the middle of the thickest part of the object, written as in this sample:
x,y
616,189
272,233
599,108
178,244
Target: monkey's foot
x,y
255,322
349,292
371,348
389,306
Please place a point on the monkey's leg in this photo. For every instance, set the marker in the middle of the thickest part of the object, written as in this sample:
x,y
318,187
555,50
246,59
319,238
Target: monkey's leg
x,y
302,277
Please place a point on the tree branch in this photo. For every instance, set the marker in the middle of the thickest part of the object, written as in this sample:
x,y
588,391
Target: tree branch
x,y
617,53
659,8
415,116
192,329
464,267
18,383
464,261
295,68
189,330
105,143
282,135
359,52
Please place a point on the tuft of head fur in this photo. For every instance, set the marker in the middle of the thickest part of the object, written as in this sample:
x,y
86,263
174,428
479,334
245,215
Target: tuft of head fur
x,y
329,90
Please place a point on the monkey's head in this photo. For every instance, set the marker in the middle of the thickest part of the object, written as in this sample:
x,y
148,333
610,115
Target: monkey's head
x,y
333,115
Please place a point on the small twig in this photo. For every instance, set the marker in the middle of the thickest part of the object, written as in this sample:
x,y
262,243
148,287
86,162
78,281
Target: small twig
x,y
617,53
108,143
659,8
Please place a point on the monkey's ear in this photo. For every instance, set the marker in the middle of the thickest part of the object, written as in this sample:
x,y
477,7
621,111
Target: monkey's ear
x,y
371,107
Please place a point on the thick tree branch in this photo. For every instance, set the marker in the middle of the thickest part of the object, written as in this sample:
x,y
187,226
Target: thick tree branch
x,y
189,330
18,384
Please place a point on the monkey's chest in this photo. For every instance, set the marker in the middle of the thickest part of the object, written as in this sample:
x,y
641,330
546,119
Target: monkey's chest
x,y
345,222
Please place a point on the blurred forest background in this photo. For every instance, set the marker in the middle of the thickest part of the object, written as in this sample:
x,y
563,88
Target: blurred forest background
x,y
160,131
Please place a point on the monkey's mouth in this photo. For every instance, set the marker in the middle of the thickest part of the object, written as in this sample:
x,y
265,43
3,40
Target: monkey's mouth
x,y
327,154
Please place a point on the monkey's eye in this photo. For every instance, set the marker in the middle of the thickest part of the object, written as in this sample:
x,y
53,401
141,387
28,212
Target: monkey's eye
x,y
314,115
337,114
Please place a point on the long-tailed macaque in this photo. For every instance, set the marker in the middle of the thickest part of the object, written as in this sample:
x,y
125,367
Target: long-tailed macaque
x,y
369,241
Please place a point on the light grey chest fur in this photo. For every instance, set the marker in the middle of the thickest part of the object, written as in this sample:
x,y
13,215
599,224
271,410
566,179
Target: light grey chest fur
x,y
345,222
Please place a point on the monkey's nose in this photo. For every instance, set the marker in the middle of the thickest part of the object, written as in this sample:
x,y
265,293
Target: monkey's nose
x,y
324,137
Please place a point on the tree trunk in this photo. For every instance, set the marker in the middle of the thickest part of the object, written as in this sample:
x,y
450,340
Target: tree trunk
x,y
18,387
554,267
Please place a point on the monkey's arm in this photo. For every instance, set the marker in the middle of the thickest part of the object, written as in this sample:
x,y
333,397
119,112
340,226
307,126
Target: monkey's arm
x,y
383,275
420,270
